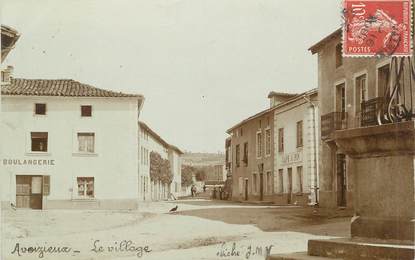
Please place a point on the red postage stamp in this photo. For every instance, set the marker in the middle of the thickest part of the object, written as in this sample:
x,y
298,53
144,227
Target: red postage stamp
x,y
377,28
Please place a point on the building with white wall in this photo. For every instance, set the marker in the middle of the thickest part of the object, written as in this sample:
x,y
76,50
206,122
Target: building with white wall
x,y
296,150
152,188
68,145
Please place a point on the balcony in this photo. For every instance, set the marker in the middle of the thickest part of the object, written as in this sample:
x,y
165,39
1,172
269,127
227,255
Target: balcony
x,y
370,110
331,122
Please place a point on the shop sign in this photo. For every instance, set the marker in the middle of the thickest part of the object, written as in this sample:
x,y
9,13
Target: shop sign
x,y
25,162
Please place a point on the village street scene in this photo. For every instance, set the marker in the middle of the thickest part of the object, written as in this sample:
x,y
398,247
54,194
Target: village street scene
x,y
177,129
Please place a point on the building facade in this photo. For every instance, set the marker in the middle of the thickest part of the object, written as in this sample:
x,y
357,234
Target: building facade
x,y
68,145
150,144
296,150
272,156
251,153
352,92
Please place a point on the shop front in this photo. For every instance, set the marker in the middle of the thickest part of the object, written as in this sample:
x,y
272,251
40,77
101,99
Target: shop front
x,y
30,190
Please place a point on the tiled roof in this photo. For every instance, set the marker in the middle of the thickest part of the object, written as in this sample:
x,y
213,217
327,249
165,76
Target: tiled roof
x,y
314,49
158,137
268,110
57,87
9,36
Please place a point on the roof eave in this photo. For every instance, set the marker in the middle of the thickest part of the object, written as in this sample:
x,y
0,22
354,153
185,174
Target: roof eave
x,y
314,48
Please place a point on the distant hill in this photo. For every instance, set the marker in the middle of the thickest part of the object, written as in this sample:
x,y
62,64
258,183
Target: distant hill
x,y
203,159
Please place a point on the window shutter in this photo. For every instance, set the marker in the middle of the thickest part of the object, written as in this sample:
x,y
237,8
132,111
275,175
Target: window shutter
x,y
46,185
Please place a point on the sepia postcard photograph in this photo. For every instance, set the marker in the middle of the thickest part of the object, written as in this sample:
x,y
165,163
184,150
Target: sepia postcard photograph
x,y
207,130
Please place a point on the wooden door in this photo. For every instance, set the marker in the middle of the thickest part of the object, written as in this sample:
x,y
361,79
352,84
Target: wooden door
x,y
290,185
246,189
36,193
29,191
261,186
341,181
23,184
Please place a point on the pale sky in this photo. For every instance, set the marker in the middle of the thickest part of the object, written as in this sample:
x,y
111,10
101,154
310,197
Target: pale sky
x,y
202,65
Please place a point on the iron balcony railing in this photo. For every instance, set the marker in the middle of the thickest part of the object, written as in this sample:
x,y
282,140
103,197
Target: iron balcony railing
x,y
331,122
370,110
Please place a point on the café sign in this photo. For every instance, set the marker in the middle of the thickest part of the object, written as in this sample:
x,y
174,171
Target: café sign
x,y
24,162
292,158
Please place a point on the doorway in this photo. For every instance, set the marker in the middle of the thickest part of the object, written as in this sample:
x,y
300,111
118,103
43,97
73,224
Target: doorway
x,y
29,191
341,180
261,186
290,185
246,189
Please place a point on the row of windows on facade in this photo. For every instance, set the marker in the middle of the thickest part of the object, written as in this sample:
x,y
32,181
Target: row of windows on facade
x,y
295,183
144,135
41,109
361,93
259,145
145,156
85,186
39,142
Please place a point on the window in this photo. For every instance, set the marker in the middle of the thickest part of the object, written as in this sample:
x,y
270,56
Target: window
x,y
241,132
40,109
86,142
280,181
268,142
39,141
281,140
383,81
259,144
237,155
341,100
299,133
269,183
86,111
300,179
254,181
86,187
245,158
361,91
339,55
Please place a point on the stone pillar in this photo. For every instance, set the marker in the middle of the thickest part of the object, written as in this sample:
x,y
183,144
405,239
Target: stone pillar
x,y
383,160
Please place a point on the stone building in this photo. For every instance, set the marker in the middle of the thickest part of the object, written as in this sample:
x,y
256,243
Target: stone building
x,y
66,144
150,142
351,91
272,155
252,157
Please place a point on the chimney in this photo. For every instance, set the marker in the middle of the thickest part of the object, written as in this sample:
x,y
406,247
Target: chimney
x,y
6,74
277,98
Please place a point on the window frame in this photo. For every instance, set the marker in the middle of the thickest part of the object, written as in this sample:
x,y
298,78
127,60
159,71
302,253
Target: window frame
x,y
90,110
36,109
300,133
281,139
245,154
46,143
237,155
86,146
259,144
268,141
85,196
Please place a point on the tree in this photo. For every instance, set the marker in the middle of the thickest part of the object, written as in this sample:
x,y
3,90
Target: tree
x,y
187,175
201,174
160,169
